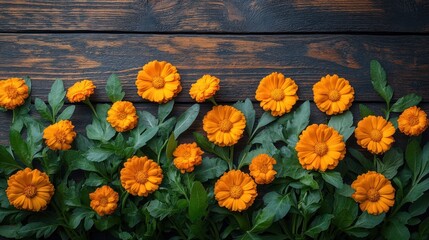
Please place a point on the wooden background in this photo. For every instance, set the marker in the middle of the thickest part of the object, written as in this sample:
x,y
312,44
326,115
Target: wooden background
x,y
238,41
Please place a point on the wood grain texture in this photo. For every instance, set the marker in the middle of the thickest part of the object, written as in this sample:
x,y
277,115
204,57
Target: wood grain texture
x,y
239,61
82,117
217,16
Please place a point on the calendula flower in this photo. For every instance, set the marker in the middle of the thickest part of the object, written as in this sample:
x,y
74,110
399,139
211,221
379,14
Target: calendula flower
x,y
80,91
187,156
320,147
60,135
204,88
374,193
141,176
122,116
277,94
235,190
375,134
413,121
29,190
224,125
262,169
104,200
158,82
333,94
13,93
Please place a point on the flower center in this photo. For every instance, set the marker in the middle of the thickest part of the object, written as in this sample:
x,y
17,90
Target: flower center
x,y
413,120
321,149
334,95
236,192
203,87
277,94
30,191
187,154
104,201
373,195
225,125
141,177
122,115
11,92
376,135
60,136
158,82
264,168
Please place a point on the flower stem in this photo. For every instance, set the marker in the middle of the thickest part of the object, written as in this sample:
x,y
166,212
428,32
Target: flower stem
x,y
87,102
13,116
213,101
231,158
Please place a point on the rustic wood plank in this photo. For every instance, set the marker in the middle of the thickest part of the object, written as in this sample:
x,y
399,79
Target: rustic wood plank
x,y
82,117
217,16
239,61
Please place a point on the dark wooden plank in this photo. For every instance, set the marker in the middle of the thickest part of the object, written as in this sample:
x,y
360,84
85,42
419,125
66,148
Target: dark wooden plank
x,y
82,117
239,61
217,16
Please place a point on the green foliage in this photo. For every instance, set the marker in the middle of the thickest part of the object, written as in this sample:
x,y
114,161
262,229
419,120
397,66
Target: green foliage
x,y
114,88
379,81
186,119
343,124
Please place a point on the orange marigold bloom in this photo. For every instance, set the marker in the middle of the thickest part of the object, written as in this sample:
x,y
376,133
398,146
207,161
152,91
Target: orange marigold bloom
x,y
60,135
374,192
277,94
262,169
333,94
29,190
235,190
320,147
413,121
104,200
80,91
205,88
375,134
158,82
224,125
13,93
122,116
141,176
187,156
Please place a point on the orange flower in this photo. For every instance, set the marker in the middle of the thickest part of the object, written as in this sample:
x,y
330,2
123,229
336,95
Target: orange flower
x,y
374,192
262,169
235,190
204,88
224,125
141,176
320,147
413,121
187,156
60,135
122,116
104,200
375,134
277,94
80,91
29,190
158,82
13,93
333,94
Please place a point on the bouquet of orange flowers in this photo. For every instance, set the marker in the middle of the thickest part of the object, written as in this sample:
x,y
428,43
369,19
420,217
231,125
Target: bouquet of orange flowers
x,y
276,176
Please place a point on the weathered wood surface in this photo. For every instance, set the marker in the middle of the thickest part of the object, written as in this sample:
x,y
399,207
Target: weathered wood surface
x,y
239,61
216,16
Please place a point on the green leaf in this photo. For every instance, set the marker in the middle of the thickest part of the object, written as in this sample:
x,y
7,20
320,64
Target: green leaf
x,y
125,236
250,236
296,122
56,96
278,204
405,102
396,231
412,157
100,130
262,221
345,211
416,191
158,209
425,160
39,229
171,146
10,231
97,154
247,109
147,119
366,163
250,155
343,124
186,119
197,202
265,119
366,220
75,161
164,110
114,88
319,224
333,178
78,215
210,168
210,147
20,147
365,111
7,162
379,82
139,137
94,180
105,223
392,161
67,113
43,109
358,232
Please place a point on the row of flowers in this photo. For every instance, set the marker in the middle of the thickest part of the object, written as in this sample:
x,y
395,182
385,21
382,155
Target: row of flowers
x,y
319,148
